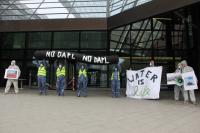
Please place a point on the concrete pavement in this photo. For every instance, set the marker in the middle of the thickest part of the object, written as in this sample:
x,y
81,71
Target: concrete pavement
x,y
27,112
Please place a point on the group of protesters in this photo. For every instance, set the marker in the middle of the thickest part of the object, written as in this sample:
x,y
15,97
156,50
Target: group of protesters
x,y
182,67
61,79
82,81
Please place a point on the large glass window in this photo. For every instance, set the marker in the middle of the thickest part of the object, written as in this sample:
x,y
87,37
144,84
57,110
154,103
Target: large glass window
x,y
12,54
66,40
12,40
39,40
93,40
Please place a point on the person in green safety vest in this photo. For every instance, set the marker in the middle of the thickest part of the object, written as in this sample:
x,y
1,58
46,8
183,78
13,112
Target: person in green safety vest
x,y
82,82
60,82
115,83
41,75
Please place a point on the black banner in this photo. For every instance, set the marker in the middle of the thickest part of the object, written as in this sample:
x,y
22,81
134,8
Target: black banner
x,y
71,56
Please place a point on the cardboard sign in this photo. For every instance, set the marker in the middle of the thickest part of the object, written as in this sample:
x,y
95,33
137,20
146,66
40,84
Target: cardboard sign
x,y
190,81
11,74
174,79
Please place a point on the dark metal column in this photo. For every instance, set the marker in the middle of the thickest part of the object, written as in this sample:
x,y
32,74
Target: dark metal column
x,y
131,46
51,63
196,38
152,45
169,47
108,53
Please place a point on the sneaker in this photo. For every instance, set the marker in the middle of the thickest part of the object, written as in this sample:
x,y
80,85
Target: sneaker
x,y
186,102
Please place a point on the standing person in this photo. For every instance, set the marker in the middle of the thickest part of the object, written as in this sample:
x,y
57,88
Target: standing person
x,y
82,82
186,68
13,81
178,88
60,82
115,83
151,64
41,75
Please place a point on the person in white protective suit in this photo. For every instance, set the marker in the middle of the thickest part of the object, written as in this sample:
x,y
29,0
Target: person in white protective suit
x,y
13,81
178,87
186,68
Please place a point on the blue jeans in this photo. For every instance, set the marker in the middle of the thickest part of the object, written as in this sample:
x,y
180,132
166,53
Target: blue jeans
x,y
41,84
82,86
115,88
60,83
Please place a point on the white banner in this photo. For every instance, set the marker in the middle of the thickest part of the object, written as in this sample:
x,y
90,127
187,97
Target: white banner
x,y
189,81
144,84
11,74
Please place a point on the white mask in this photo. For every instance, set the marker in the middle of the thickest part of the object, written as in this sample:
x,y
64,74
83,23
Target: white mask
x,y
151,63
12,63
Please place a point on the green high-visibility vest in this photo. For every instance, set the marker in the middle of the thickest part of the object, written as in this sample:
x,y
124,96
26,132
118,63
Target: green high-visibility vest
x,y
84,72
41,71
112,77
60,72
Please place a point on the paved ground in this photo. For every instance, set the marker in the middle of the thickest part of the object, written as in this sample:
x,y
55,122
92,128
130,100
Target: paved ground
x,y
28,112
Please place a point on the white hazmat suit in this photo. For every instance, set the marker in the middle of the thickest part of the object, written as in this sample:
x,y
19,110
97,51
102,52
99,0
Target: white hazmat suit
x,y
186,68
177,88
13,81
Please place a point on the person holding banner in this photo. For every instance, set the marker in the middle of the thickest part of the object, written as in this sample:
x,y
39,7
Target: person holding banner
x,y
60,82
82,81
13,81
115,83
185,69
178,87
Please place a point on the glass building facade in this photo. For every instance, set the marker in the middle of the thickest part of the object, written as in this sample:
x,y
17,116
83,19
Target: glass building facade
x,y
21,47
62,9
166,38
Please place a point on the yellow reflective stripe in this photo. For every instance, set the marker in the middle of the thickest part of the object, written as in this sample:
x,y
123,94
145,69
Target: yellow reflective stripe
x,y
60,72
82,73
41,71
112,76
